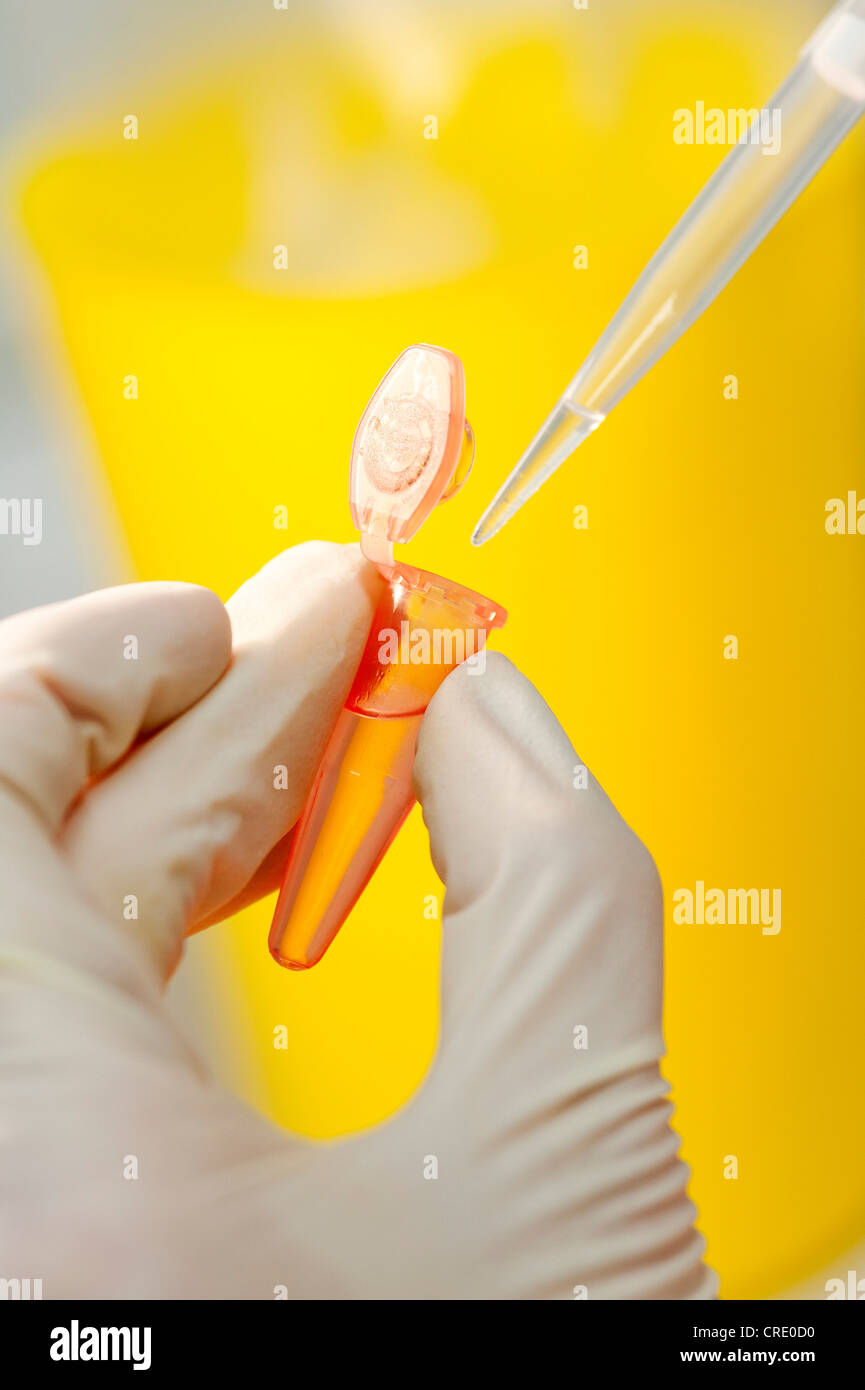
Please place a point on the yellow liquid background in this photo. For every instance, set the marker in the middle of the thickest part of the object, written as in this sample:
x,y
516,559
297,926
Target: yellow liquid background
x,y
706,516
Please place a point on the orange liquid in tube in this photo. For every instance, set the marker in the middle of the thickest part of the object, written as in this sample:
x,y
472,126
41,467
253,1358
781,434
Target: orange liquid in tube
x,y
411,450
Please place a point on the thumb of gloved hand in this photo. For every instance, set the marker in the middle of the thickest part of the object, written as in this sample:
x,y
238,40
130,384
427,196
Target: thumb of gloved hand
x,y
551,1003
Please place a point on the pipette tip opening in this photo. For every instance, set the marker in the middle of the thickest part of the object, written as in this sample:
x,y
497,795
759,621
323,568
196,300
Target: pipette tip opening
x,y
563,430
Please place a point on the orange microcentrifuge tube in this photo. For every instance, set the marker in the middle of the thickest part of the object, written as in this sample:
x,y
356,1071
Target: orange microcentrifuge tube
x,y
412,449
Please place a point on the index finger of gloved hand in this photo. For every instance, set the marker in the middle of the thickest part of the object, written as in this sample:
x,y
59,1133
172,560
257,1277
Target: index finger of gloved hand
x,y
185,823
80,681
552,911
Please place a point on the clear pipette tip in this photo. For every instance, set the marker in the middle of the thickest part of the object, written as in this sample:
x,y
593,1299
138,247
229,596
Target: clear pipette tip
x,y
818,104
562,432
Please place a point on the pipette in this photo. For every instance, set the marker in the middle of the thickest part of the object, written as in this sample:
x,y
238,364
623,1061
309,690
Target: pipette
x,y
752,188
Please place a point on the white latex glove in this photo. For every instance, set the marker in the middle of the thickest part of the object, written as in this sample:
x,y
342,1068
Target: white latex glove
x,y
556,1167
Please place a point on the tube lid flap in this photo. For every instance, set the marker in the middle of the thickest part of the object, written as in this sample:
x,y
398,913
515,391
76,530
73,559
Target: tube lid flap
x,y
412,447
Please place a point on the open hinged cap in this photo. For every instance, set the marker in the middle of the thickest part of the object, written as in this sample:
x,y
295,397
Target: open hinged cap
x,y
412,449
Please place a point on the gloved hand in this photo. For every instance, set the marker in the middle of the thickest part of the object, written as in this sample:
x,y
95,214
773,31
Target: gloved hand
x,y
137,803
